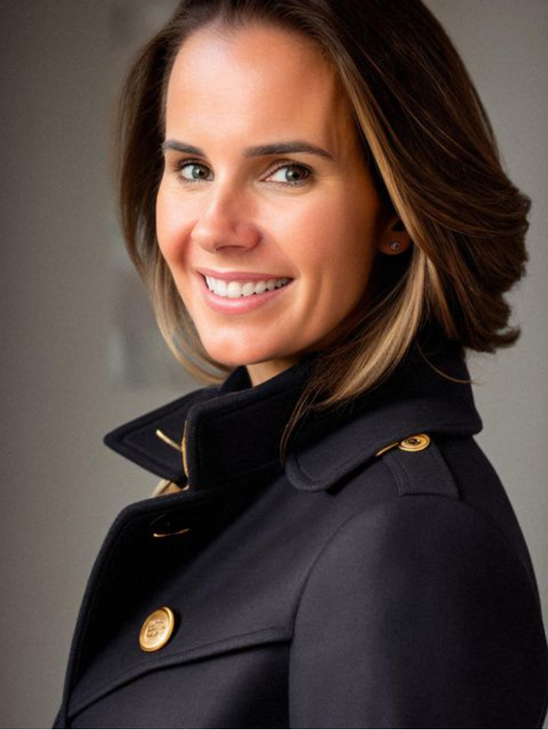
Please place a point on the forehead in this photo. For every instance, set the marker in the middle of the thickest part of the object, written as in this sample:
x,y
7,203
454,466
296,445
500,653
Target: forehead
x,y
255,80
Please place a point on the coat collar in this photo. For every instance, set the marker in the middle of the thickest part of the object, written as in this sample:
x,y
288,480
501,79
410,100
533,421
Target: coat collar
x,y
232,433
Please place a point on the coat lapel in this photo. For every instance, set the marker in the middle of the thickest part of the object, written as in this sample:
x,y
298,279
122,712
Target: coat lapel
x,y
232,433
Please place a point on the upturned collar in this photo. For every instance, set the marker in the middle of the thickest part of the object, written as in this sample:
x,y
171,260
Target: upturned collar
x,y
231,434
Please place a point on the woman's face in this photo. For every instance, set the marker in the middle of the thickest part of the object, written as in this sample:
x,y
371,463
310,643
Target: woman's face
x,y
267,215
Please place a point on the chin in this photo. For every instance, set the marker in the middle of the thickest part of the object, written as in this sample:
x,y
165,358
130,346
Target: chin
x,y
233,356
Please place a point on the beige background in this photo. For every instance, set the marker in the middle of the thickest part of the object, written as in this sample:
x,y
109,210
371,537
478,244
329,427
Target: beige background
x,y
61,388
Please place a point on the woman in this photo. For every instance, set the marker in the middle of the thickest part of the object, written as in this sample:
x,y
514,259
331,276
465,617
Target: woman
x,y
312,193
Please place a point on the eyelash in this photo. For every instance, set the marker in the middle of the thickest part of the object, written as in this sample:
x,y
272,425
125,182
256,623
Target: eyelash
x,y
292,164
179,167
279,166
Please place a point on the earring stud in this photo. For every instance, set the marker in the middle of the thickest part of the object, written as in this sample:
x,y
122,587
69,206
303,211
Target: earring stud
x,y
395,246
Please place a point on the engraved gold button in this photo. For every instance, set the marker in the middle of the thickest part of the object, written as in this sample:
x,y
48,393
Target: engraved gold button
x,y
157,629
418,442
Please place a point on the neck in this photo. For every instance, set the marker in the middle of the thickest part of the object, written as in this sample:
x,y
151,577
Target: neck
x,y
260,372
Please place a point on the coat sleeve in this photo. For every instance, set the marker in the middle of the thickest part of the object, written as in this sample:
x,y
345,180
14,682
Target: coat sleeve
x,y
417,614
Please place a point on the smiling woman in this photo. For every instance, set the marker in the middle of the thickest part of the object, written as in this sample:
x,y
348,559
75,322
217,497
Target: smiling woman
x,y
311,191
259,203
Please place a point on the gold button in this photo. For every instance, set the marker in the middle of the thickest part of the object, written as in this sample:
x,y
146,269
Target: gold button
x,y
157,629
418,442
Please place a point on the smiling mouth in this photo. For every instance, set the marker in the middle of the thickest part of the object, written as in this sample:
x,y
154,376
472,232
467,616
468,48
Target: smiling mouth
x,y
237,289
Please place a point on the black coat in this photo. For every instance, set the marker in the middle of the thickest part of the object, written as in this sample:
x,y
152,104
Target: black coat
x,y
350,589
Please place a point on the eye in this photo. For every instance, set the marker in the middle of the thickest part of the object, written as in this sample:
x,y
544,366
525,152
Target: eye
x,y
290,173
194,172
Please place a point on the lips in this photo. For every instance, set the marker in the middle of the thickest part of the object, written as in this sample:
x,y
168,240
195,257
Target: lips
x,y
234,289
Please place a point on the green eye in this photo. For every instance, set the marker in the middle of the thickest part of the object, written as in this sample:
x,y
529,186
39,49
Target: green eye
x,y
195,171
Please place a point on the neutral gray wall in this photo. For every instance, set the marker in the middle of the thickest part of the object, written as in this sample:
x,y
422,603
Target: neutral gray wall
x,y
61,488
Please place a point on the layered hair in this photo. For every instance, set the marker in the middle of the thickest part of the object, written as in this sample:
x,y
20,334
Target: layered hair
x,y
434,157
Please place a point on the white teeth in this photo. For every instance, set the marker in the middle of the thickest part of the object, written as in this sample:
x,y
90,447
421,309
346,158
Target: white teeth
x,y
248,289
235,289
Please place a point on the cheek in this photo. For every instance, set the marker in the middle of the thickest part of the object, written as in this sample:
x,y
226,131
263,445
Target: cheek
x,y
337,244
357,239
172,228
164,225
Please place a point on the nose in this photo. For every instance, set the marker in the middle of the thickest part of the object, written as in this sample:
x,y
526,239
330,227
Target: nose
x,y
224,223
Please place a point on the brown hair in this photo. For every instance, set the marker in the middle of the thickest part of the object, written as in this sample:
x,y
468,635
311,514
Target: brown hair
x,y
431,148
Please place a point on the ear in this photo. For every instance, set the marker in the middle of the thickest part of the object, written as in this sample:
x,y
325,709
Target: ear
x,y
394,238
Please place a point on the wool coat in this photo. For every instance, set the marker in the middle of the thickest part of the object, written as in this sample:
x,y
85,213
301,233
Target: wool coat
x,y
378,578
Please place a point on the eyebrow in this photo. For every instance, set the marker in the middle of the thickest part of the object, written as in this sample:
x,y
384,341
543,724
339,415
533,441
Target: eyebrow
x,y
277,148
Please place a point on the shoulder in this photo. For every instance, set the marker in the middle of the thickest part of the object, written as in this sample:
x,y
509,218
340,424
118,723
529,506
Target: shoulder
x,y
424,614
423,608
418,538
425,503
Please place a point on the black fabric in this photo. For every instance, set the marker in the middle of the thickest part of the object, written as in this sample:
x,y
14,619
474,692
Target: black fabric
x,y
342,589
231,432
234,432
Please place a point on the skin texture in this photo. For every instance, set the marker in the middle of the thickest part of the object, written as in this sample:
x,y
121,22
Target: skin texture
x,y
313,218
